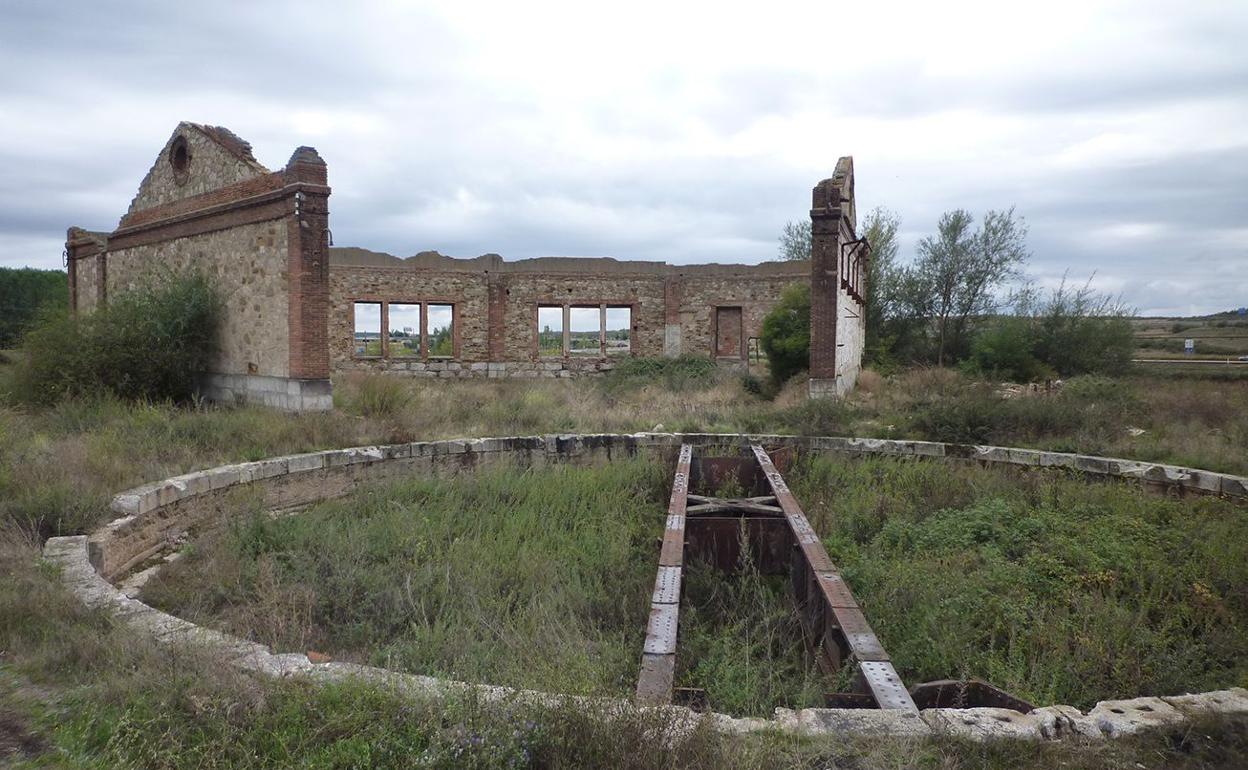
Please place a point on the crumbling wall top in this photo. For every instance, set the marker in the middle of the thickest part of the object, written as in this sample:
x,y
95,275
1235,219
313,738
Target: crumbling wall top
x,y
196,159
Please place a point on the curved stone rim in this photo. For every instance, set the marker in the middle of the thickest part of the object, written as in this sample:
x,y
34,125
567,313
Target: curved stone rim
x,y
152,516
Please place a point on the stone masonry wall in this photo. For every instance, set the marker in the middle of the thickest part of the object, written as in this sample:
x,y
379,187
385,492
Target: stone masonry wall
x,y
207,206
210,166
700,296
496,306
249,264
87,280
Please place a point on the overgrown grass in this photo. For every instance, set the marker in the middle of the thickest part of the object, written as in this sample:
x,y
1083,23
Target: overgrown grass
x,y
677,374
741,642
1060,590
1125,565
530,578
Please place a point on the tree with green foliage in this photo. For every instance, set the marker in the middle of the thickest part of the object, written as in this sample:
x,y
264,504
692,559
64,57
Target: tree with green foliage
x,y
884,296
795,240
786,333
959,271
23,292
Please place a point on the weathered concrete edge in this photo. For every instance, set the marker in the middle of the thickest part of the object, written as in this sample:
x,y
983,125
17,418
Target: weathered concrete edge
x,y
148,497
1106,719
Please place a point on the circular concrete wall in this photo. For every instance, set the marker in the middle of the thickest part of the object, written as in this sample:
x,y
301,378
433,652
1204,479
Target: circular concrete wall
x,y
153,517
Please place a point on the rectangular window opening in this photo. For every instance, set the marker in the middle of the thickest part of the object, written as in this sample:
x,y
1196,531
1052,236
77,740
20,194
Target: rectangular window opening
x,y
585,327
550,330
366,336
404,323
619,331
441,338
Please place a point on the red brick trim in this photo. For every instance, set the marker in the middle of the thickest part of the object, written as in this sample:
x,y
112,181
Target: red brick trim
x,y
225,195
259,208
308,269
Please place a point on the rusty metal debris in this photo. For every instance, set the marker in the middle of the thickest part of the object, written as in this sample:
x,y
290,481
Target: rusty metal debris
x,y
767,519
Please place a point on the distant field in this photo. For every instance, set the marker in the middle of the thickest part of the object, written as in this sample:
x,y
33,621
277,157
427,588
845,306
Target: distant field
x,y
1219,336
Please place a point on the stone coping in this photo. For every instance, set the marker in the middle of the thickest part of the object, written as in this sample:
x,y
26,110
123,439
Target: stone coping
x,y
152,517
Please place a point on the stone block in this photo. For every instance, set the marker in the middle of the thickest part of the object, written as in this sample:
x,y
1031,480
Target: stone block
x,y
275,666
224,476
313,461
1232,701
1023,457
1058,722
396,451
983,724
846,722
126,504
353,456
1057,460
1126,717
263,469
1090,464
1235,486
992,454
1204,481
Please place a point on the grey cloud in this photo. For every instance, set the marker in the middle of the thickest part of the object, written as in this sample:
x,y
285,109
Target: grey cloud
x,y
93,89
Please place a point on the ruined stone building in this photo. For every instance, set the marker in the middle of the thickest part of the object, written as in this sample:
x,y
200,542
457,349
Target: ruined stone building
x,y
298,311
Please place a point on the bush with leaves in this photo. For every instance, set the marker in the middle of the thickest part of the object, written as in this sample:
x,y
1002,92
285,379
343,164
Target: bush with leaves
x,y
786,333
1071,332
146,344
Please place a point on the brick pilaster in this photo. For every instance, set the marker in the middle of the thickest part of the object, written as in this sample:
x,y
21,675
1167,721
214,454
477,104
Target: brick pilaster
x,y
825,225
308,264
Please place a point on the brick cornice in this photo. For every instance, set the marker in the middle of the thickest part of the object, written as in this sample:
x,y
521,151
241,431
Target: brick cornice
x,y
263,207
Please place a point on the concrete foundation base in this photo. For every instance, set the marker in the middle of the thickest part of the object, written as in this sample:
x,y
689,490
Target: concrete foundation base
x,y
285,393
824,388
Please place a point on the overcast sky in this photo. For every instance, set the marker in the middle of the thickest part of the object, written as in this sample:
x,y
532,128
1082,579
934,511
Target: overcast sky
x,y
672,131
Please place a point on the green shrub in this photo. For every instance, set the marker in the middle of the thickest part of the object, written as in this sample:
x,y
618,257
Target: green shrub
x,y
1004,349
683,373
786,333
374,395
149,343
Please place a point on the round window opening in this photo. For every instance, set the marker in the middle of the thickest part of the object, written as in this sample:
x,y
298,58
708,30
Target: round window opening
x,y
179,156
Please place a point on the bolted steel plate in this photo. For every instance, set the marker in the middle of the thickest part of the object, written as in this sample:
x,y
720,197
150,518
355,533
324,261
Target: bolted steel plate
x,y
836,591
886,686
661,630
667,586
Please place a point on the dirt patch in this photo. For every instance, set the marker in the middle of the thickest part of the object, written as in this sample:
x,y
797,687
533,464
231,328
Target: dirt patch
x,y
16,738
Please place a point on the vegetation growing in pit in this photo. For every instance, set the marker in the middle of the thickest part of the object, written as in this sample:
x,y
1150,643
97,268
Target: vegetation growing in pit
x,y
530,578
1058,589
1055,589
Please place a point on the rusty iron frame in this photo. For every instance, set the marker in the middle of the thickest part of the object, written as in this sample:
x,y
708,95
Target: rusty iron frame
x,y
781,541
